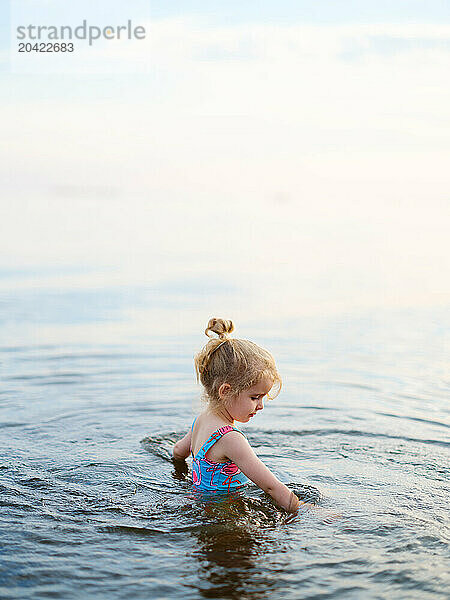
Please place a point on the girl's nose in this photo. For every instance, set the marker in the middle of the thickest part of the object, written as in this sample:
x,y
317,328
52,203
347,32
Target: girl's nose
x,y
260,405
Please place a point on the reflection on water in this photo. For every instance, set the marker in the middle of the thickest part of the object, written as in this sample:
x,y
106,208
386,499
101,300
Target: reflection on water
x,y
232,538
227,566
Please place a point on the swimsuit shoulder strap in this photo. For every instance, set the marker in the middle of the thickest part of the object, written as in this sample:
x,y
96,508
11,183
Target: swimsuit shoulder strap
x,y
215,437
192,428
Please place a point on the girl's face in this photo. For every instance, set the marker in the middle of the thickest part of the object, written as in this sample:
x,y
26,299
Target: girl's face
x,y
245,405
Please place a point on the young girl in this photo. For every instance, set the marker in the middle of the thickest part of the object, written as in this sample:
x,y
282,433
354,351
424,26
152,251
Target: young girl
x,y
236,375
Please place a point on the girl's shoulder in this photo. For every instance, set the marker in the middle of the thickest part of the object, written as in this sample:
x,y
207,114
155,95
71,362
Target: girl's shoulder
x,y
205,420
204,427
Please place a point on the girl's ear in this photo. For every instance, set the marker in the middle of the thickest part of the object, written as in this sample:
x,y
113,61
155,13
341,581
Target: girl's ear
x,y
224,390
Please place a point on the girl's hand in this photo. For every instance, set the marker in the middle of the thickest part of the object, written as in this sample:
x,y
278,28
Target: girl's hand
x,y
238,450
328,518
291,518
302,508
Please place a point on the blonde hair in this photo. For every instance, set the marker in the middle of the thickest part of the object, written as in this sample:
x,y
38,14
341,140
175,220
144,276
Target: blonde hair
x,y
240,363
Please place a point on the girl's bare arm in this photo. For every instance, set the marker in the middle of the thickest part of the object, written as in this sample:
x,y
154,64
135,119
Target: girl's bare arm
x,y
182,448
237,449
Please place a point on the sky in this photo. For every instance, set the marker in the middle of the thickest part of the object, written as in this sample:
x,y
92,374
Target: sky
x,y
291,138
323,11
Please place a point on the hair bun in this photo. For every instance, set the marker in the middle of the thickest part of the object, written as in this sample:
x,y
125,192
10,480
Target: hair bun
x,y
219,326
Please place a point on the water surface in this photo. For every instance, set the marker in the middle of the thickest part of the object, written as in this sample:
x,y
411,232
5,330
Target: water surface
x,y
94,394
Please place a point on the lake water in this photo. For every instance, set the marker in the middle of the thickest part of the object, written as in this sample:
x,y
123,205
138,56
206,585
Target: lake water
x,y
98,383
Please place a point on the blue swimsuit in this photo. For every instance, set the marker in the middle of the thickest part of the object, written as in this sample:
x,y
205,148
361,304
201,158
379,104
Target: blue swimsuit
x,y
210,476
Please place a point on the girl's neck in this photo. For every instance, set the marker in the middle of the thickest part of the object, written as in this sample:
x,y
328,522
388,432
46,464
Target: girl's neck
x,y
223,415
